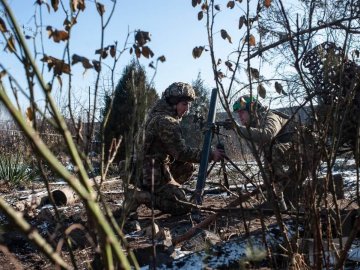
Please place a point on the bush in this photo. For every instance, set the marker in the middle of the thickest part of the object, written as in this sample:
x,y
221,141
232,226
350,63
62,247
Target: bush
x,y
14,170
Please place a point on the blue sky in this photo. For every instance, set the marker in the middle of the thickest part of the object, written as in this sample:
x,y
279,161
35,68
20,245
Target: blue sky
x,y
175,31
174,27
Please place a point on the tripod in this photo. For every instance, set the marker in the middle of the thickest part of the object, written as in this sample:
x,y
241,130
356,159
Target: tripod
x,y
220,145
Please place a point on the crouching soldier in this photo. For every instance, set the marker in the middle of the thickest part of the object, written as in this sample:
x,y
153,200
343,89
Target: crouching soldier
x,y
168,160
276,137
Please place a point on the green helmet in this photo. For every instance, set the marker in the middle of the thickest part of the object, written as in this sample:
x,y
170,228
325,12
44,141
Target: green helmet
x,y
244,103
179,91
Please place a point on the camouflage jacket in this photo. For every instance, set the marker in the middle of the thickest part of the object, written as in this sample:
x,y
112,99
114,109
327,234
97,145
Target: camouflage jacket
x,y
272,134
164,143
269,127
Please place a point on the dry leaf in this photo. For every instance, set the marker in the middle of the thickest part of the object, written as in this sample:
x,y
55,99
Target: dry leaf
x,y
29,114
242,20
197,51
55,4
60,36
261,90
11,44
162,59
85,62
97,65
100,8
252,41
200,15
254,73
112,51
40,2
103,52
217,7
49,30
57,35
59,66
229,65
225,35
3,28
231,4
141,37
68,24
194,3
75,59
78,5
279,88
267,3
220,74
2,74
137,52
147,52
204,7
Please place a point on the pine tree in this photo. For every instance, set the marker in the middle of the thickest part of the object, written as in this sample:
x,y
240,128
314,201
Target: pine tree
x,y
132,98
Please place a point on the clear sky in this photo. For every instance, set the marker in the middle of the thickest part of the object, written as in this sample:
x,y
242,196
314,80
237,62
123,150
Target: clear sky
x,y
174,27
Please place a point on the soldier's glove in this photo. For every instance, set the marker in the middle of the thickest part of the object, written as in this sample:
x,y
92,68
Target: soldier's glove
x,y
229,124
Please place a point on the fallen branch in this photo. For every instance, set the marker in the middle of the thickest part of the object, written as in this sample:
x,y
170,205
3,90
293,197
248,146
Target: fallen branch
x,y
190,233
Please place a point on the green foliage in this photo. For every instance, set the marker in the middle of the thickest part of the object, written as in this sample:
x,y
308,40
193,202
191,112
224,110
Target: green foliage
x,y
132,98
14,170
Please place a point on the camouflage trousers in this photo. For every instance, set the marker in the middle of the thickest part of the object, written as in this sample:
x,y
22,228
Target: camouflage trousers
x,y
289,167
168,197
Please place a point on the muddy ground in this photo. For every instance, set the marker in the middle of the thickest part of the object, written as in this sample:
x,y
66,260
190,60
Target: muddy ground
x,y
16,252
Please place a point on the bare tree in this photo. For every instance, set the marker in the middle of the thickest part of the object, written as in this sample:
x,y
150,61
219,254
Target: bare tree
x,y
301,54
26,47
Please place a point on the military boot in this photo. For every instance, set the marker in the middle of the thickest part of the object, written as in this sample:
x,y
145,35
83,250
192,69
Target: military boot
x,y
169,200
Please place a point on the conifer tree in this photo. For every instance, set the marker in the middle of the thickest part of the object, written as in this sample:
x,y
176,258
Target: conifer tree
x,y
132,98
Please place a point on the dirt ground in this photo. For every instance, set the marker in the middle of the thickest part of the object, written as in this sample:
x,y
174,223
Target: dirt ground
x,y
16,252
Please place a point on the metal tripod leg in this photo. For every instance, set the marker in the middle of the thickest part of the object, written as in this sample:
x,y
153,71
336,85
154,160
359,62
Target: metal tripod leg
x,y
226,180
240,171
211,167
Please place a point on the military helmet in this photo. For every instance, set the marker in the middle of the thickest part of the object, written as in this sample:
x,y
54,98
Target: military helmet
x,y
245,102
179,91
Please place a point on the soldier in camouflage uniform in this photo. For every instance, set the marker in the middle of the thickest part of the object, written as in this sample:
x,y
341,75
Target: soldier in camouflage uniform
x,y
168,161
274,136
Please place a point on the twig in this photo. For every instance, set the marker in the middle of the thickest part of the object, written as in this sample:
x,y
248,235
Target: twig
x,y
288,38
190,233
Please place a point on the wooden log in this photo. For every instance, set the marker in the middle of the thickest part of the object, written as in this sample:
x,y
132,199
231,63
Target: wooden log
x,y
62,196
67,196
